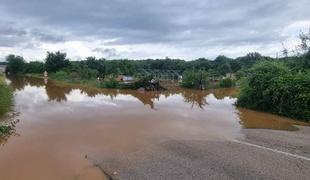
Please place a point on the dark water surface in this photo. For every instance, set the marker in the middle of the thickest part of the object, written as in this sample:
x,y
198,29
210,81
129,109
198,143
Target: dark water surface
x,y
63,129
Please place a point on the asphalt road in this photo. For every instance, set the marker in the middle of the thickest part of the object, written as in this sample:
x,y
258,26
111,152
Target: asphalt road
x,y
260,154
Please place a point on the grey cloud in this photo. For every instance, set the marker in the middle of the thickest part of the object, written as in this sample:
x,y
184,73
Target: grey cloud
x,y
11,36
189,23
8,31
107,52
46,37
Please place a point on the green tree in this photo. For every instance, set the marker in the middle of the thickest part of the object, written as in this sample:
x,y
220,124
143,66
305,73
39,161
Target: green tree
x,y
272,87
56,61
195,79
226,83
255,92
34,67
305,41
96,64
87,73
15,64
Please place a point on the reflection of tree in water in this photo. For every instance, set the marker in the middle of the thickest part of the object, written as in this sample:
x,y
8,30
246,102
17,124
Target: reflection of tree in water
x,y
92,92
18,83
147,98
57,93
195,98
251,119
37,82
225,92
53,91
198,98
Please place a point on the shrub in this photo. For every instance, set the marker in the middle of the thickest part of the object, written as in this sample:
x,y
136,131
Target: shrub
x,y
15,64
226,83
142,82
56,61
5,97
34,67
86,73
60,75
195,79
272,87
110,83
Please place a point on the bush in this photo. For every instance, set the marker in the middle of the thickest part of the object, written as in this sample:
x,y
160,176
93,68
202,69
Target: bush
x,y
34,67
227,83
81,74
86,73
56,61
5,97
195,79
272,87
111,83
291,95
60,75
143,82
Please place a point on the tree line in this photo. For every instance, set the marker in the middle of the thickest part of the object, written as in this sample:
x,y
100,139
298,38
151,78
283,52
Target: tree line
x,y
221,65
91,67
56,61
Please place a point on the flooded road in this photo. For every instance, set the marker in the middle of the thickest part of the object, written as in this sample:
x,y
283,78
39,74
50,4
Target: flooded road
x,y
66,131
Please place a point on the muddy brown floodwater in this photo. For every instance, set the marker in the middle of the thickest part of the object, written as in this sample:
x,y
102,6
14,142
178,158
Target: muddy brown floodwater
x,y
64,130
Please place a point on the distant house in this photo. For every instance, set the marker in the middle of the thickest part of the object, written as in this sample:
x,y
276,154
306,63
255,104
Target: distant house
x,y
123,78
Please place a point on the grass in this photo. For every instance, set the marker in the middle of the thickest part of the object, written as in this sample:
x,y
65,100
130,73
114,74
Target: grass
x,y
5,103
5,97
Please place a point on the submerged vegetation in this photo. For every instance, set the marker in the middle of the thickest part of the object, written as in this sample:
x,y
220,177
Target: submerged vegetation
x,y
227,83
195,79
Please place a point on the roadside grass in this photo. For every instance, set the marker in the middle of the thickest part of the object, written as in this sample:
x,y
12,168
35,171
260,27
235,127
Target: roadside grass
x,y
5,97
5,104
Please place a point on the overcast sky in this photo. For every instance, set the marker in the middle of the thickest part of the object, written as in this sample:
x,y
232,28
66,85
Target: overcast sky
x,y
139,29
